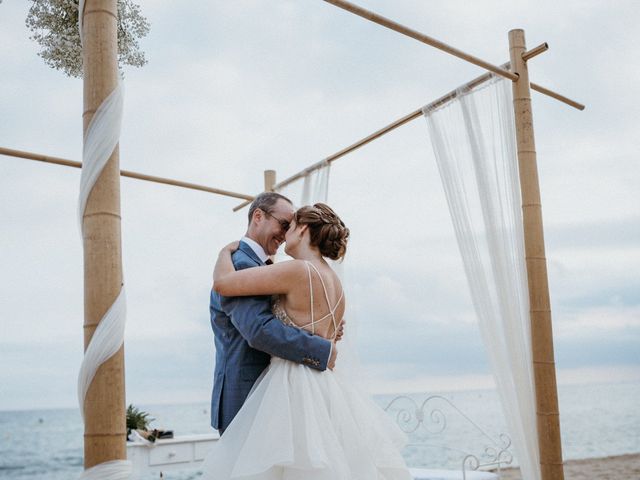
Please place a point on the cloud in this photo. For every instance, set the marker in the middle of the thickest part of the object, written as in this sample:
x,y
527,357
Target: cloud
x,y
600,323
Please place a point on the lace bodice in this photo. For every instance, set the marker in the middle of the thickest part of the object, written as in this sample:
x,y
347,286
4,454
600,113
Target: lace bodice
x,y
281,314
279,311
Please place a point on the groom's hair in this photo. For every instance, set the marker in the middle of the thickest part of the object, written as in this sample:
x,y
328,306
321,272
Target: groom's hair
x,y
265,202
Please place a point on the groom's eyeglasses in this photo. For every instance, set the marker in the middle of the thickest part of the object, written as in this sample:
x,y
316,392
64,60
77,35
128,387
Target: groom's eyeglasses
x,y
284,224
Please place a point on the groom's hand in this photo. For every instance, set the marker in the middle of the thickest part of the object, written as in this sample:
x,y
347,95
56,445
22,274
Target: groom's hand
x,y
331,364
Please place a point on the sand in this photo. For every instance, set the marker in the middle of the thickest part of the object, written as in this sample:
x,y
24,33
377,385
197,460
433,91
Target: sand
x,y
623,467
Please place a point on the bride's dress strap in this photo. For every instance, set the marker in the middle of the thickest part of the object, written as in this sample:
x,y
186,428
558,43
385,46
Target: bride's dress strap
x,y
313,323
332,309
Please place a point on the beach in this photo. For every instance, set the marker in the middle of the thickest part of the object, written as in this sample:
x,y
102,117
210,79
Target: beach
x,y
619,467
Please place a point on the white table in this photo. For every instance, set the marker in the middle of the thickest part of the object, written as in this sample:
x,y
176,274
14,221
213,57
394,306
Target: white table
x,y
184,452
428,474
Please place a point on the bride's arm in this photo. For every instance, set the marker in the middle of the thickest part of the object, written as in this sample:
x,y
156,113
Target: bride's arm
x,y
224,264
266,280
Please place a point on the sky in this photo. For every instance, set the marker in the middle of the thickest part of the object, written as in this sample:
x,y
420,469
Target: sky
x,y
234,88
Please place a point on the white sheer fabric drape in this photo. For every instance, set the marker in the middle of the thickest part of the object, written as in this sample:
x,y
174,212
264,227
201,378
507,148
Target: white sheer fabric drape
x,y
307,190
315,186
473,139
310,189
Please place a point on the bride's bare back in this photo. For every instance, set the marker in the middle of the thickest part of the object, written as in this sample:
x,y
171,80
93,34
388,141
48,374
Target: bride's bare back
x,y
316,305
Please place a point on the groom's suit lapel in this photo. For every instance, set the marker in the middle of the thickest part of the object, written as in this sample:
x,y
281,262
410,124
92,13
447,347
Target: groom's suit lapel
x,y
249,251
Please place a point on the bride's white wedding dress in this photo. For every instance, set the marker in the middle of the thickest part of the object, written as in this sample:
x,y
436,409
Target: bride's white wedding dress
x,y
302,424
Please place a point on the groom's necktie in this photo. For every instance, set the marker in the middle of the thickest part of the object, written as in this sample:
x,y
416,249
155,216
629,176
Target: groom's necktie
x,y
268,261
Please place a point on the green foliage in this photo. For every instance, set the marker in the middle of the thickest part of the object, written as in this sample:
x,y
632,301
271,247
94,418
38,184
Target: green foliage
x,y
137,420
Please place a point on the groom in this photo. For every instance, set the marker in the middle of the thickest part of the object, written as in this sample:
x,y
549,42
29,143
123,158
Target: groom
x,y
246,332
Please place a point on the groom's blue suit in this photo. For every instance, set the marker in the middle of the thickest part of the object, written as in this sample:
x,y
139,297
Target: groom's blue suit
x,y
246,336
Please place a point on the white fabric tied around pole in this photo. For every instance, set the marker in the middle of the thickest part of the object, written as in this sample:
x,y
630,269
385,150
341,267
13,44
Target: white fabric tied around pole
x,y
100,140
114,470
473,139
105,342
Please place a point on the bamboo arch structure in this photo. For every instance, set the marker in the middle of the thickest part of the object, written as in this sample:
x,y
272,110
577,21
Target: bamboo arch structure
x,y
105,437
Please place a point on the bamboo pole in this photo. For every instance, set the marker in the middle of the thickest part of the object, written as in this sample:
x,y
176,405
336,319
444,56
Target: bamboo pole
x,y
104,432
269,180
269,186
123,173
548,418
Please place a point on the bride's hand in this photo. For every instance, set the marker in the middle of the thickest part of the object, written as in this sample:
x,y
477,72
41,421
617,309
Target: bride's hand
x,y
340,330
224,264
232,247
331,364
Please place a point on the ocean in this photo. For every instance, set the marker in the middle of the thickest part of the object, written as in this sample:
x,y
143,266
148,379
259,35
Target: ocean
x,y
596,421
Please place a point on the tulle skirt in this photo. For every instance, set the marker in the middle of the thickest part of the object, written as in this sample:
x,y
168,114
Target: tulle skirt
x,y
302,424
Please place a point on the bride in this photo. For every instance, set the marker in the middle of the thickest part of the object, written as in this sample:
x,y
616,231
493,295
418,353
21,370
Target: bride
x,y
301,423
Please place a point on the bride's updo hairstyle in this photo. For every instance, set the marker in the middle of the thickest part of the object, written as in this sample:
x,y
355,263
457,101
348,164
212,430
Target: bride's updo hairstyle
x,y
326,230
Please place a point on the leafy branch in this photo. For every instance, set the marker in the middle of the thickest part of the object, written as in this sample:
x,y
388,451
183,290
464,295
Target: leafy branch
x,y
137,420
54,26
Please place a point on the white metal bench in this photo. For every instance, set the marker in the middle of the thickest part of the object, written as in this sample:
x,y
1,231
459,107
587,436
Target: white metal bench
x,y
427,423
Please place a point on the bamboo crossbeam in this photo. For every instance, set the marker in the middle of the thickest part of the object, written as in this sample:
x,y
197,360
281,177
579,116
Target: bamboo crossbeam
x,y
392,126
360,143
242,205
534,52
124,173
192,186
421,37
557,96
269,186
412,116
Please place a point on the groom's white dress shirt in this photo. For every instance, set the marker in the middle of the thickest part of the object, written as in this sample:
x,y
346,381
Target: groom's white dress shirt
x,y
257,249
